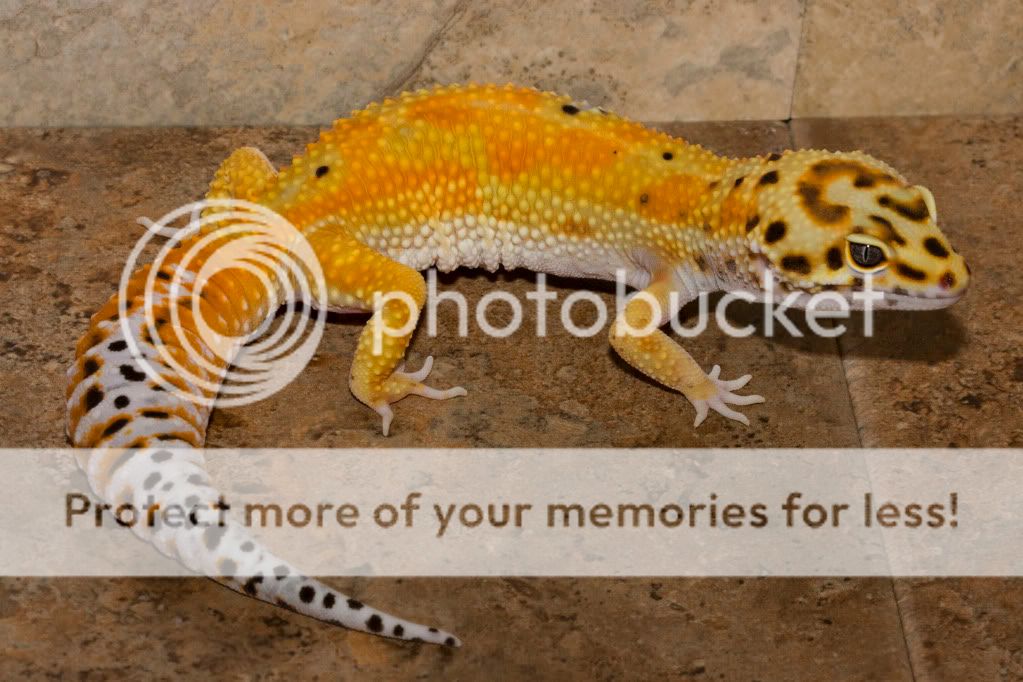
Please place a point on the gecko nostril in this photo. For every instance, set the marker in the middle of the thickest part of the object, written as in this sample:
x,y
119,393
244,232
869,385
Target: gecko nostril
x,y
947,281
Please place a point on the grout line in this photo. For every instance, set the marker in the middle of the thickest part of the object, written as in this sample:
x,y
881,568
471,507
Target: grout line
x,y
891,579
805,9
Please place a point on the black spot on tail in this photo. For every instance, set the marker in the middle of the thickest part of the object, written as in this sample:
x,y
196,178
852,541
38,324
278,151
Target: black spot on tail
x,y
93,397
132,374
399,630
118,346
570,109
212,535
374,623
114,427
328,600
355,604
307,594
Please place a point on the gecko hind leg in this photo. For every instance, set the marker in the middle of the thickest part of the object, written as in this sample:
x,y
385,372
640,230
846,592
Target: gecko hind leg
x,y
359,277
415,387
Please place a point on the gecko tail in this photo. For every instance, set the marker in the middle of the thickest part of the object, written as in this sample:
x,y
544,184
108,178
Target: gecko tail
x,y
175,477
139,397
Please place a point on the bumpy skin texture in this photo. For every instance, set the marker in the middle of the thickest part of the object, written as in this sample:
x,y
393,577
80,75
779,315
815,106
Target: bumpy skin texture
x,y
488,176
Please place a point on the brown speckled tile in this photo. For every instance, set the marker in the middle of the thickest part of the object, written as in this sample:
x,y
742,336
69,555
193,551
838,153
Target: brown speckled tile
x,y
951,377
70,198
889,58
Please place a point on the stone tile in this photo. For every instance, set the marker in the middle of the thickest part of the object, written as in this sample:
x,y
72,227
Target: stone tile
x,y
152,63
951,377
910,58
159,63
72,198
668,61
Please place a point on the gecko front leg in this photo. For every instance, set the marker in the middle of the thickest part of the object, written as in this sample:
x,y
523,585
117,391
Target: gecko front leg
x,y
636,337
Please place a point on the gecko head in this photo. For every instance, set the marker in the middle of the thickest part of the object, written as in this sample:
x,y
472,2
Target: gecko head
x,y
844,221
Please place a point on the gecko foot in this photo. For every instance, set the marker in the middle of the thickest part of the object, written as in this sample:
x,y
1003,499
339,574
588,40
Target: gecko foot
x,y
402,383
723,396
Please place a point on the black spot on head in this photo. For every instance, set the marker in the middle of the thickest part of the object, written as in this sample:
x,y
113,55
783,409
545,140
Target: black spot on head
x,y
155,414
863,180
321,171
307,594
197,479
570,109
644,198
163,275
916,211
434,630
773,156
882,221
835,258
909,272
167,486
375,624
121,402
738,181
667,156
115,427
212,535
328,600
90,367
93,397
769,178
821,209
151,480
355,604
132,374
752,223
399,631
118,346
798,264
775,232
935,248
247,546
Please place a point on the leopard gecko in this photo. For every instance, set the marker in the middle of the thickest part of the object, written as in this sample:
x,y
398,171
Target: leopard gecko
x,y
489,176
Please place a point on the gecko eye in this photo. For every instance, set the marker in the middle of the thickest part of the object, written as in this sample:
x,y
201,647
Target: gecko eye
x,y
866,257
